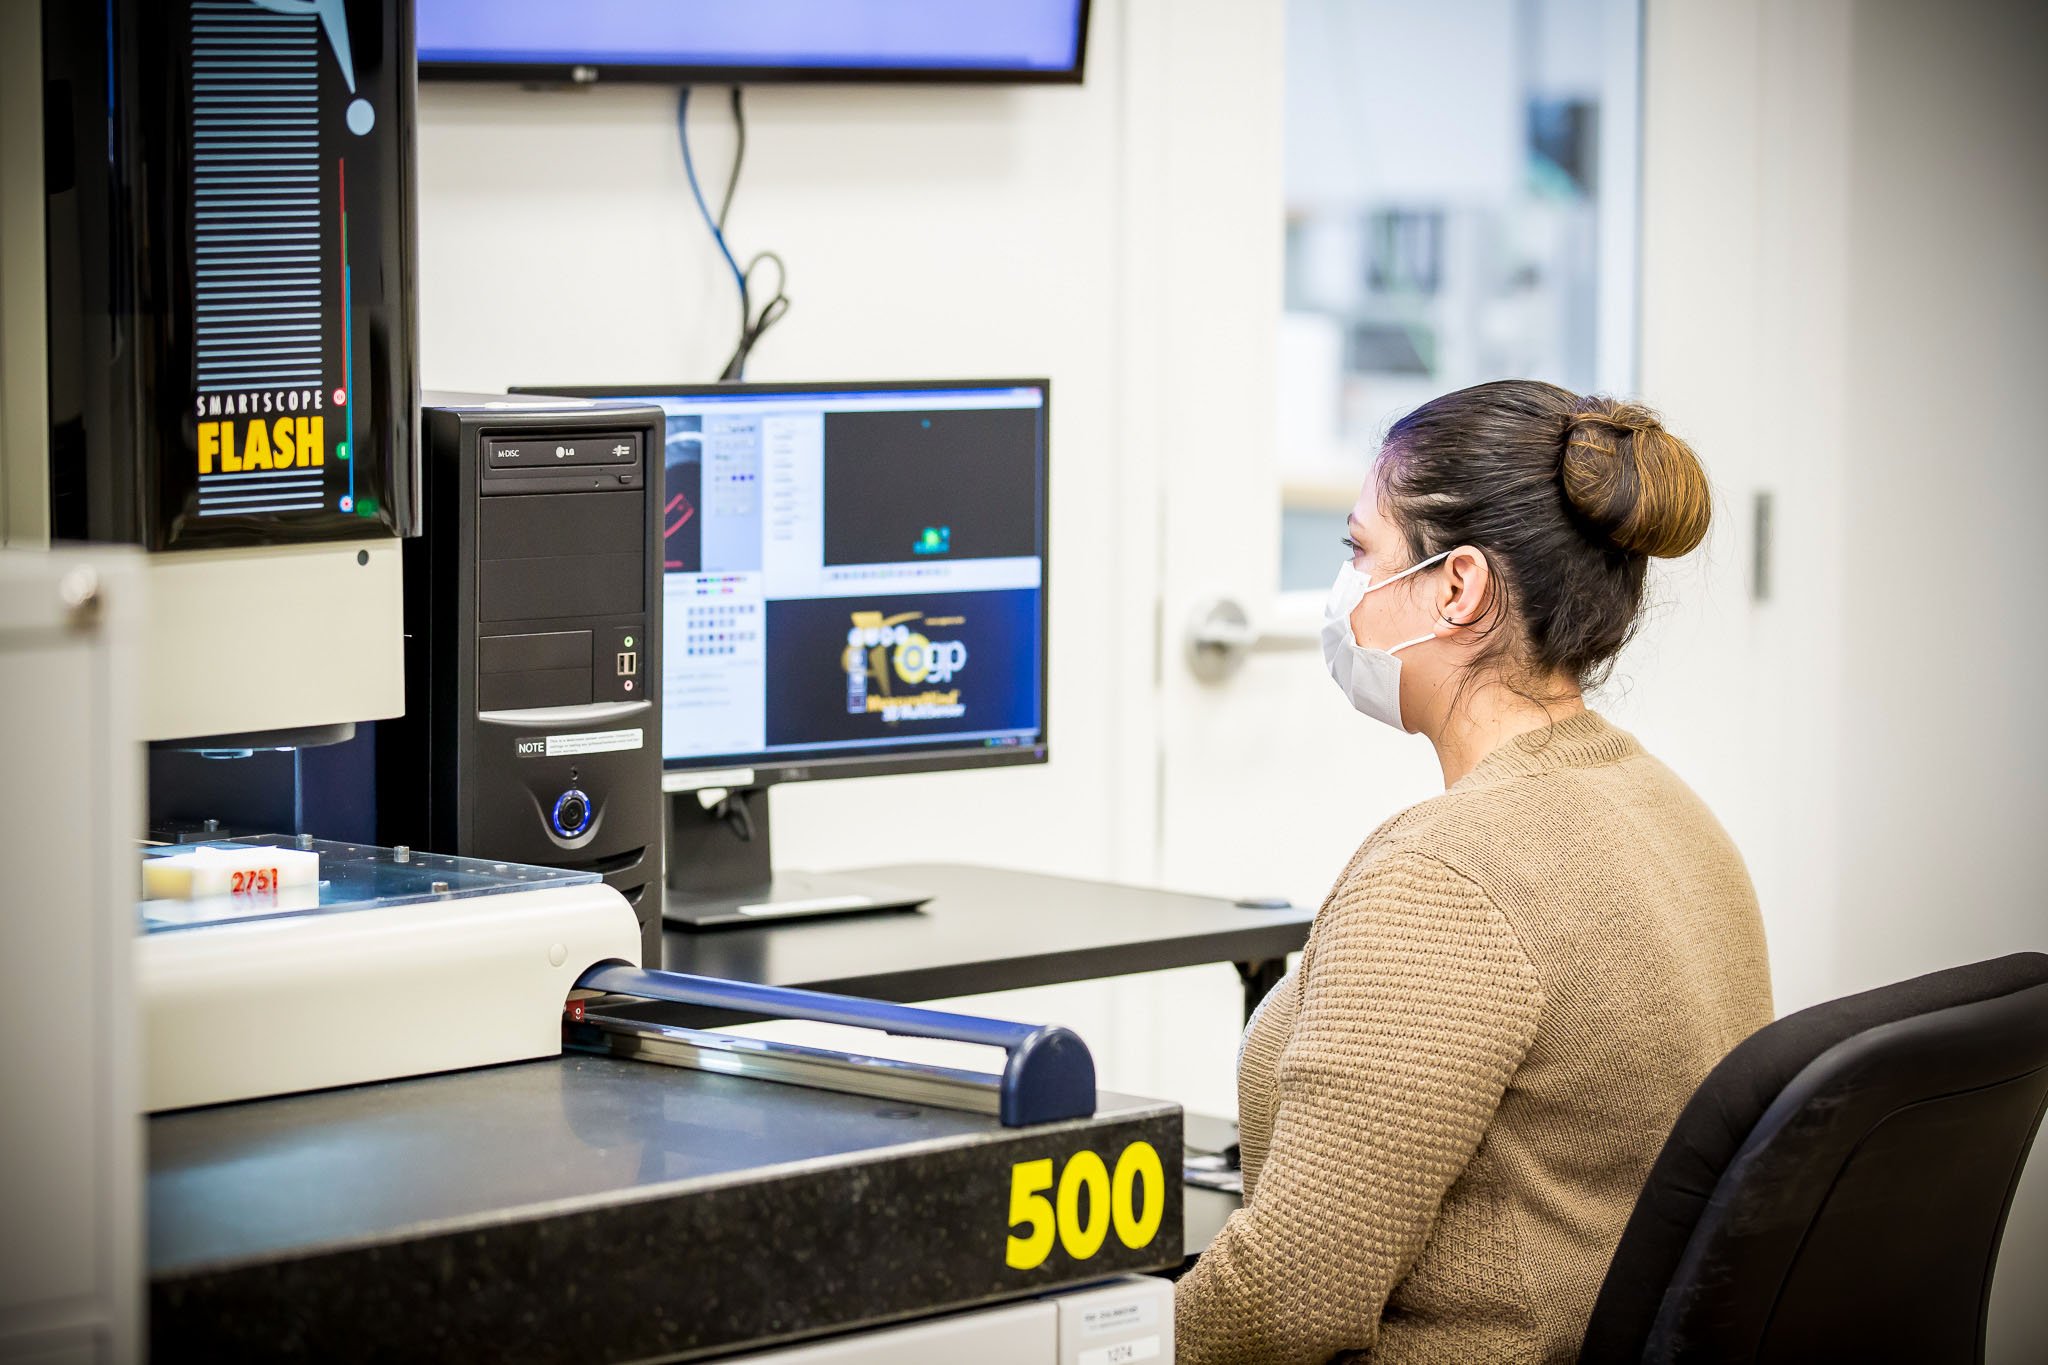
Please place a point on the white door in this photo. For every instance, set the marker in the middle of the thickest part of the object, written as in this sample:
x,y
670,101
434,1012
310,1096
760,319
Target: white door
x,y
1334,210
1364,203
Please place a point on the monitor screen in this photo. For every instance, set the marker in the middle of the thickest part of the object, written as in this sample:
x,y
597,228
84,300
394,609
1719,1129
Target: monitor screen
x,y
854,576
753,39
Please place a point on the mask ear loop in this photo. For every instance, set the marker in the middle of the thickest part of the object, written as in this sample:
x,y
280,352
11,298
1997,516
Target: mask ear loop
x,y
1371,586
1421,638
1413,568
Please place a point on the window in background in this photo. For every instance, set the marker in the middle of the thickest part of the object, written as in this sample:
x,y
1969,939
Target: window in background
x,y
1461,182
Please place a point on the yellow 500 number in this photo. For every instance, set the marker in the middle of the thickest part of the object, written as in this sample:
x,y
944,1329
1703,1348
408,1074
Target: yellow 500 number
x,y
1111,1200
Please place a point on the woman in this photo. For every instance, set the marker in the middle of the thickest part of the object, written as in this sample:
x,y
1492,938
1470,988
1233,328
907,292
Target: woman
x,y
1449,1106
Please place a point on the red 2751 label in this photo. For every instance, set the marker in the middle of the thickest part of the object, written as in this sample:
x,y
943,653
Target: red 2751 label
x,y
255,879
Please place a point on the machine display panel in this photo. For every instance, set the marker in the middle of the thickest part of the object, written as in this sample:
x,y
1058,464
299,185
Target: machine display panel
x,y
1005,40
853,576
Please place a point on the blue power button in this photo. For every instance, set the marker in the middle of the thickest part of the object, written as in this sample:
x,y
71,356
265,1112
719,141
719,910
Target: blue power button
x,y
572,813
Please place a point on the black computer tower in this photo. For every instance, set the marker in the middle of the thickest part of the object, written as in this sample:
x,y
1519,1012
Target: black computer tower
x,y
532,730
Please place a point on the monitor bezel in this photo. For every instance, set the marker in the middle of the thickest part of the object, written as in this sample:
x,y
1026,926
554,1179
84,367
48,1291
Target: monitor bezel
x,y
655,73
923,760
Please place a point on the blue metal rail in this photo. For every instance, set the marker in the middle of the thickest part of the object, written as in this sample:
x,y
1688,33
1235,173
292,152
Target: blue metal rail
x,y
1049,1073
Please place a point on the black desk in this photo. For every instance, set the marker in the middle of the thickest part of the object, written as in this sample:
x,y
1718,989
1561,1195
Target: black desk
x,y
991,929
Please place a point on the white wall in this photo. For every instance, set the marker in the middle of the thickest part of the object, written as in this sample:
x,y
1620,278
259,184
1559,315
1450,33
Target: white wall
x,y
1945,746
1743,324
1845,224
1944,743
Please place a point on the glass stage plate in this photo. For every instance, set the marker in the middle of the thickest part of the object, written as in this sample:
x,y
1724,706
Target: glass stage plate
x,y
352,877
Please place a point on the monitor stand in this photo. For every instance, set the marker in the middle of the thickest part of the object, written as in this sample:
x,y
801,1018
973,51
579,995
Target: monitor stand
x,y
719,871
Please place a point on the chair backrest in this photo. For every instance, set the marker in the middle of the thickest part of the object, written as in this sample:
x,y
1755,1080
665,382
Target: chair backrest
x,y
1837,1187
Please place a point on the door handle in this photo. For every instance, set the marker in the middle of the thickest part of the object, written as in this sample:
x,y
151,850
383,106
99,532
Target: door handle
x,y
1220,636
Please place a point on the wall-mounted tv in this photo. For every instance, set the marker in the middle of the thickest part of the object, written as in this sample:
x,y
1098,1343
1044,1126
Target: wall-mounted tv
x,y
734,41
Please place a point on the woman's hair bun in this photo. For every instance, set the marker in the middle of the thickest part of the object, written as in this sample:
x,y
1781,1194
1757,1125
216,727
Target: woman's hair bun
x,y
1634,486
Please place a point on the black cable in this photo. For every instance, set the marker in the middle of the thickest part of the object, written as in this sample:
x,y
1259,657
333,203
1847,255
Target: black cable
x,y
753,324
770,314
739,156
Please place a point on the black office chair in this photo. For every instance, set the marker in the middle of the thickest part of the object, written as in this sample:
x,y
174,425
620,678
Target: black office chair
x,y
1836,1188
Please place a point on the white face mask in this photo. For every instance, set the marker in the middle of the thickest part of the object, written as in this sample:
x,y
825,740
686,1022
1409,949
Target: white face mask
x,y
1370,678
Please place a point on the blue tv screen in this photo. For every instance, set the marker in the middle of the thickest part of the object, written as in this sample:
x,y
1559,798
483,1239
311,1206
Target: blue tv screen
x,y
735,40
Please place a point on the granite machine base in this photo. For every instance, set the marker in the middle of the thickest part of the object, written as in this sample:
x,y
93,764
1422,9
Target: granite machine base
x,y
590,1208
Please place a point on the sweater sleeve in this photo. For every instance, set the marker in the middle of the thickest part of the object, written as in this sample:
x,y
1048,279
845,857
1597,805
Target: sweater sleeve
x,y
1418,1004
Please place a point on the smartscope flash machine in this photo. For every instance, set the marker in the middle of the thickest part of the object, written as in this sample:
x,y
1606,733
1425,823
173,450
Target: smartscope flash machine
x,y
227,219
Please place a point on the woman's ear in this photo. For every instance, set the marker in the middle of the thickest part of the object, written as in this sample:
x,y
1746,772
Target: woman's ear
x,y
1462,590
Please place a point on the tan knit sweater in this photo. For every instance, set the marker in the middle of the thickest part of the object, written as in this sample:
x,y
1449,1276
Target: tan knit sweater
x,y
1449,1107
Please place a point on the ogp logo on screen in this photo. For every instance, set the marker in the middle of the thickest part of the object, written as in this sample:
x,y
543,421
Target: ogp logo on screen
x,y
913,657
919,660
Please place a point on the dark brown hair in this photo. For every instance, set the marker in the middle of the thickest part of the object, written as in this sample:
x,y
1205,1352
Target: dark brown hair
x,y
1567,497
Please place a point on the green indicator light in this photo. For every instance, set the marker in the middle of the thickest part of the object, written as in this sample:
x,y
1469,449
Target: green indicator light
x,y
341,451
629,642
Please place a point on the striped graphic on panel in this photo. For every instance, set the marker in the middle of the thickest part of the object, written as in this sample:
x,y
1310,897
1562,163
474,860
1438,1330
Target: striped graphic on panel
x,y
257,233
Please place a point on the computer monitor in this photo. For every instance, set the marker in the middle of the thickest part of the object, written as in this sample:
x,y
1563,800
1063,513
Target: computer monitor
x,y
854,583
724,41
